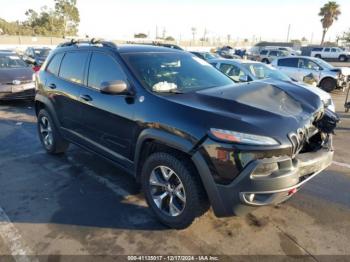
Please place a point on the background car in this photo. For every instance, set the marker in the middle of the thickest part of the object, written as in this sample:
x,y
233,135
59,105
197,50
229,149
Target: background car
x,y
290,50
36,56
246,70
227,52
16,78
331,53
268,55
327,76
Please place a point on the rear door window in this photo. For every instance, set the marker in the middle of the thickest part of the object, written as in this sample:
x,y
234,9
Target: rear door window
x,y
327,49
73,66
54,65
263,52
288,62
104,68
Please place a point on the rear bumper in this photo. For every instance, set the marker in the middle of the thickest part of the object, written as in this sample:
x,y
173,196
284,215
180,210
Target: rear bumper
x,y
26,94
249,190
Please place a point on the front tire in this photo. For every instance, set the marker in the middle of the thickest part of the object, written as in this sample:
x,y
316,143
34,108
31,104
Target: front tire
x,y
49,135
173,190
328,84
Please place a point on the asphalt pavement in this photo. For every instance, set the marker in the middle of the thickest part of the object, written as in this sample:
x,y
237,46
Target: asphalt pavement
x,y
79,204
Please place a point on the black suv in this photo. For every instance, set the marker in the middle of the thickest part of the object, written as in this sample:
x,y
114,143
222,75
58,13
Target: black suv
x,y
188,134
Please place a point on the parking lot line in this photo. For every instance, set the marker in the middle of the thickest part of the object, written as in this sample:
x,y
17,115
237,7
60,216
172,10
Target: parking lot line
x,y
341,164
14,241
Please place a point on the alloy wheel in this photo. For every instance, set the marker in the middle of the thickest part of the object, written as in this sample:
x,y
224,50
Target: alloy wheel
x,y
46,131
167,191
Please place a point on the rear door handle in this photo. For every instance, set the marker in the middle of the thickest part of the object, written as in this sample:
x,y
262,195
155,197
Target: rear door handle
x,y
52,86
85,98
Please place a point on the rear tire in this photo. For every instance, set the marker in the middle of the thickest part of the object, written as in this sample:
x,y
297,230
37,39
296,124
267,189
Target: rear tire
x,y
174,205
343,58
318,56
49,135
328,84
266,61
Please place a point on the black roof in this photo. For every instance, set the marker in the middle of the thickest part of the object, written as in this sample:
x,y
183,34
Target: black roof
x,y
126,48
145,48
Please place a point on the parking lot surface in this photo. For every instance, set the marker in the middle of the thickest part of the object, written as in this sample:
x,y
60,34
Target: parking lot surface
x,y
79,204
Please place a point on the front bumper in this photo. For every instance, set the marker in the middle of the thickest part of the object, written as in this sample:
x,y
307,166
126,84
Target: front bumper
x,y
249,190
280,187
343,81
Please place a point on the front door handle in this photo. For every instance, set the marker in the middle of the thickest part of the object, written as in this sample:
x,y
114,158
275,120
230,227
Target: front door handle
x,y
52,86
86,98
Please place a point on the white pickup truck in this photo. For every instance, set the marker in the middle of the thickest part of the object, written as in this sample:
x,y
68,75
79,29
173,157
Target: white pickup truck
x,y
330,53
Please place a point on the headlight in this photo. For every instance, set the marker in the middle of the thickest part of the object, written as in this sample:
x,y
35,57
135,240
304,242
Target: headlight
x,y
242,138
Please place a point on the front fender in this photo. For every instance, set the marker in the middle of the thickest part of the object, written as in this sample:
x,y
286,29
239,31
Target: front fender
x,y
162,137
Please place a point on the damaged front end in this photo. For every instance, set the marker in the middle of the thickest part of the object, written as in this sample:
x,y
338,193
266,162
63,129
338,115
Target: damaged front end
x,y
267,178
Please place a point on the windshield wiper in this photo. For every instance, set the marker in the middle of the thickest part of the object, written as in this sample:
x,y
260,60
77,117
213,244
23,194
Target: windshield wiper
x,y
172,91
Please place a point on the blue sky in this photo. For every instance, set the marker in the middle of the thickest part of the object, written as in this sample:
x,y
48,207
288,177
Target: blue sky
x,y
267,19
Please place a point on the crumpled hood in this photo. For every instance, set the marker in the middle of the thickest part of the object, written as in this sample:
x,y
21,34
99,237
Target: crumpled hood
x,y
268,107
7,75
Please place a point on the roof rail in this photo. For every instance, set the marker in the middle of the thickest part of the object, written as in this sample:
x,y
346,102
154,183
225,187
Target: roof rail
x,y
93,41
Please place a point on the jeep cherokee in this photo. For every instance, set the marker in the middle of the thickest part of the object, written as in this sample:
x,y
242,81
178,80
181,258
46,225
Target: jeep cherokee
x,y
188,134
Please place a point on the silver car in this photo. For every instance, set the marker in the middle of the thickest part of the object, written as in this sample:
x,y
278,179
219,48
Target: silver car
x,y
324,74
246,71
268,55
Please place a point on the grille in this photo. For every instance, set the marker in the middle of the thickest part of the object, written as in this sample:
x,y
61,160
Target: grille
x,y
298,140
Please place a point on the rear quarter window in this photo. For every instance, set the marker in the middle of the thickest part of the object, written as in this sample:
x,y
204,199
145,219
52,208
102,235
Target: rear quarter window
x,y
54,65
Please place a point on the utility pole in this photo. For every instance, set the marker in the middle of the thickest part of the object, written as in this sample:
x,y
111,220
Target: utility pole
x,y
312,37
288,33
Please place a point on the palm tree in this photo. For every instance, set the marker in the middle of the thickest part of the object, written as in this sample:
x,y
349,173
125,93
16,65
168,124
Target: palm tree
x,y
329,13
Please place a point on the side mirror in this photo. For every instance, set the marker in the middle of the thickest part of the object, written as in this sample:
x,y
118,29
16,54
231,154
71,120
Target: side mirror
x,y
243,78
116,87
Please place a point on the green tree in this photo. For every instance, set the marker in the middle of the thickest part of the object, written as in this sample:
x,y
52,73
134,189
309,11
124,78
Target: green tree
x,y
329,13
68,16
140,35
170,38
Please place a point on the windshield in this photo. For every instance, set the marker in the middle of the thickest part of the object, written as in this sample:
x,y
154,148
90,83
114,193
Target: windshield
x,y
323,63
208,56
42,52
11,61
174,72
261,71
